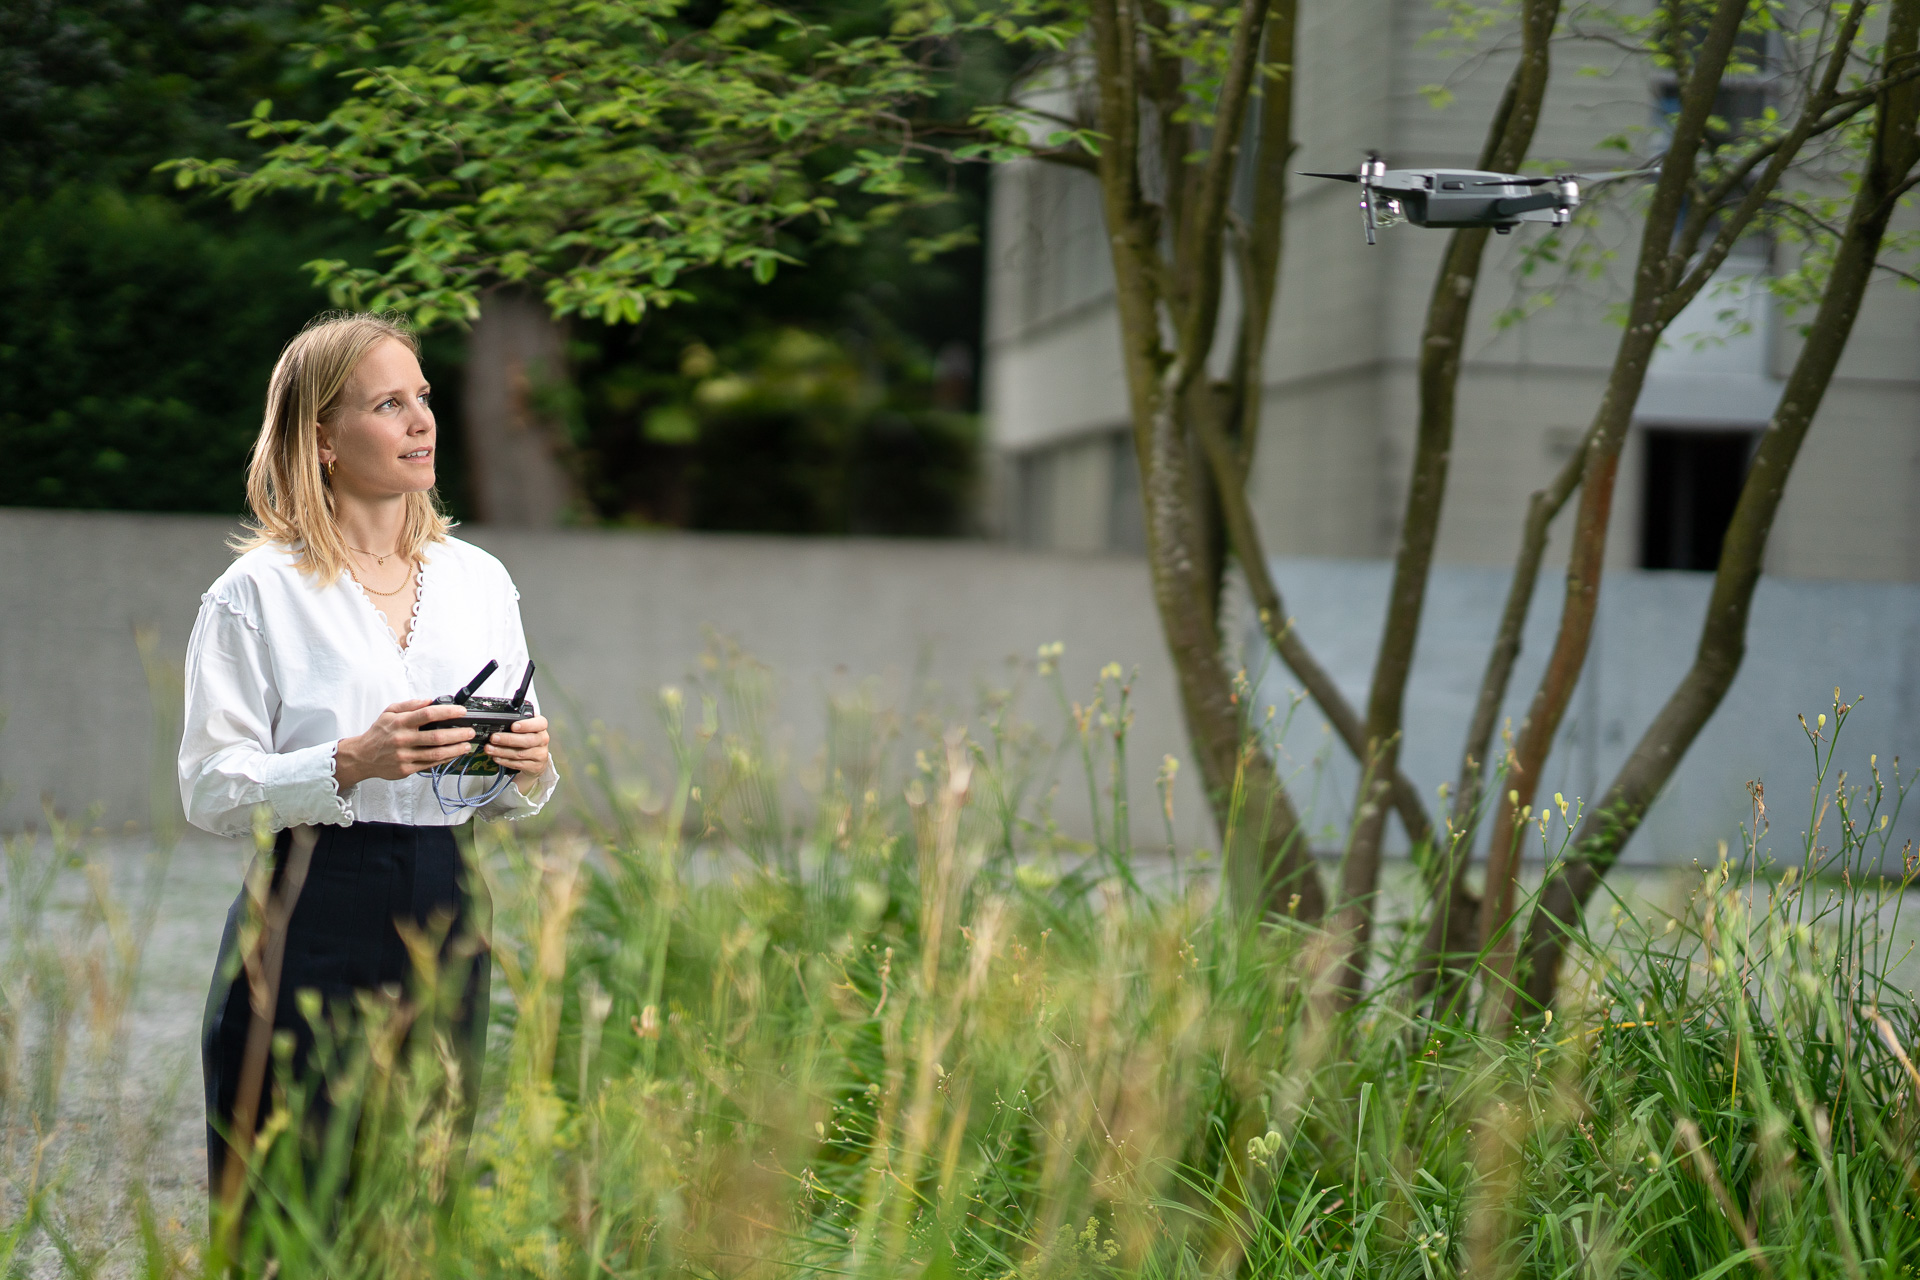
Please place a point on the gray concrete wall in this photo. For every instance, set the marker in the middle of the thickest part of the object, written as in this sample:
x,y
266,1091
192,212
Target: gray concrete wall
x,y
613,616
1804,639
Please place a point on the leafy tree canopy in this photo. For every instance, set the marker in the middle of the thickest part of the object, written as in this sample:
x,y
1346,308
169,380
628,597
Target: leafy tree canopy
x,y
601,150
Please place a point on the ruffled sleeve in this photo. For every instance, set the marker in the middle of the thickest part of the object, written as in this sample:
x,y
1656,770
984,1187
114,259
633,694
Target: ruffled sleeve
x,y
227,764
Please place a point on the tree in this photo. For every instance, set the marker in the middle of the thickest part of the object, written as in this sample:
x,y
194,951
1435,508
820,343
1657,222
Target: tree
x,y
1709,194
1716,180
596,151
607,160
1892,169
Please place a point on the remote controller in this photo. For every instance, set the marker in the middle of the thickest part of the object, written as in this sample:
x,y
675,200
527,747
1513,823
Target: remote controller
x,y
486,717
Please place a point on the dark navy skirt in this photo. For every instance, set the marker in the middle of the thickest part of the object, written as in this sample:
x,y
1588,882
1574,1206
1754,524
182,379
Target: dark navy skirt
x,y
342,939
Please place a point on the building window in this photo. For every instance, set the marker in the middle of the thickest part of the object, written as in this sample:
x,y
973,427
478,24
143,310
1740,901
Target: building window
x,y
1079,494
1127,516
1693,480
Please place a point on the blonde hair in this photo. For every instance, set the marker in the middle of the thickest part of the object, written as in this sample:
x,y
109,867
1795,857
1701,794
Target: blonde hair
x,y
288,489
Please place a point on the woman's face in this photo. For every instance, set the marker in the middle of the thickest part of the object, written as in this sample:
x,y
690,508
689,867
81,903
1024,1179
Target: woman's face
x,y
381,441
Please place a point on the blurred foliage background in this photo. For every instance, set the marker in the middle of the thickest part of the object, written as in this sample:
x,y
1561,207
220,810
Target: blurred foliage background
x,y
139,324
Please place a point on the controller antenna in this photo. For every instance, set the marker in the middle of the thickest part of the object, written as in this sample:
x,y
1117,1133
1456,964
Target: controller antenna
x,y
467,692
520,697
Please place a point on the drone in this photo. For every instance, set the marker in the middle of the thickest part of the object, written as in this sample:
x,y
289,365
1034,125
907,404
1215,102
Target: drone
x,y
1466,197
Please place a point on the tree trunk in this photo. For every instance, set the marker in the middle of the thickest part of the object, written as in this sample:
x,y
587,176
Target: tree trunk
x,y
1608,826
1169,313
1653,282
1668,276
1453,923
1508,139
1229,454
515,435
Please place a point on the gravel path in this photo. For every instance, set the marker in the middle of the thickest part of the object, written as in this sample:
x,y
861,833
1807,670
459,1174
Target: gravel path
x,y
111,1100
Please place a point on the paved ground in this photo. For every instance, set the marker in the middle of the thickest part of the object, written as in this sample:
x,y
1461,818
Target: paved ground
x,y
124,1096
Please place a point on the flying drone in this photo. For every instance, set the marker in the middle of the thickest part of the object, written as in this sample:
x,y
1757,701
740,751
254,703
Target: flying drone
x,y
1466,197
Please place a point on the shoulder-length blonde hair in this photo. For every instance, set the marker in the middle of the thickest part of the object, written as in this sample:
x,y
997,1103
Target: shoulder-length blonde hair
x,y
288,489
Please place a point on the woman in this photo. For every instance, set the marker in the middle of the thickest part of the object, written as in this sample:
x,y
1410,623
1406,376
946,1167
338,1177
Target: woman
x,y
310,679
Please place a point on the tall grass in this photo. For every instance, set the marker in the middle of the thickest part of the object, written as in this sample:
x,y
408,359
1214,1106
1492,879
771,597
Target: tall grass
x,y
906,1026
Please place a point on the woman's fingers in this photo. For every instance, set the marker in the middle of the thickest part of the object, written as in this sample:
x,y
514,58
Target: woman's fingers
x,y
420,712
519,741
416,759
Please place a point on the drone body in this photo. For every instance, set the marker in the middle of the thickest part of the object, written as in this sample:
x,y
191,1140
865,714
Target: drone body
x,y
1464,197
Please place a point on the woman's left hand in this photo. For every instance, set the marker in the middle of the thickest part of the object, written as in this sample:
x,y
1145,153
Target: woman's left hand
x,y
525,749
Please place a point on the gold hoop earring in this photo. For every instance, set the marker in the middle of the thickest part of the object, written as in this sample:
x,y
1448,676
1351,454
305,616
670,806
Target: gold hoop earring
x,y
329,467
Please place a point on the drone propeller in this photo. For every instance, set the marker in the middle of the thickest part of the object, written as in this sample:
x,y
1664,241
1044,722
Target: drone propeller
x,y
1370,172
1337,177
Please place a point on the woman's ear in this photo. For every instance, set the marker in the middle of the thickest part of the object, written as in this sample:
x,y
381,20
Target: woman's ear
x,y
324,438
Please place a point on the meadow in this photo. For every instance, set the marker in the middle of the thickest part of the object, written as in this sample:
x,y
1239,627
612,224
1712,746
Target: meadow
x,y
876,1013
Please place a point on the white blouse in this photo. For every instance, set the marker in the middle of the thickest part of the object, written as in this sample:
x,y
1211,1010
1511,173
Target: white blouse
x,y
281,668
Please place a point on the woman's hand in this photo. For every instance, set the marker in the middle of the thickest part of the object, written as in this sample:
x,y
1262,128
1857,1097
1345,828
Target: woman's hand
x,y
525,749
402,742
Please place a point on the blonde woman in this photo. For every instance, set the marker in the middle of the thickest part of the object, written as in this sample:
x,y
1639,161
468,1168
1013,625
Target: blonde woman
x,y
309,682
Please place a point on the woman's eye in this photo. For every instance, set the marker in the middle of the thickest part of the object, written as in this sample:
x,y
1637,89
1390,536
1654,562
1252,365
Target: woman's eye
x,y
389,402
426,397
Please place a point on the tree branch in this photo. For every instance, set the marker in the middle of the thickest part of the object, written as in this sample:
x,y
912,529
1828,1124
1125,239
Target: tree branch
x,y
1443,338
1264,232
1279,629
1585,561
1199,250
1734,225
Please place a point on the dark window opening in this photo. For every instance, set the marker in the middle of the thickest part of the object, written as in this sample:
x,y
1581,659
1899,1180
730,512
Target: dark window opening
x,y
1127,514
1693,482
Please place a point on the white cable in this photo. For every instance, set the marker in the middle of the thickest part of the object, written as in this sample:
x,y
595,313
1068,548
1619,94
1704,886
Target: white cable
x,y
458,801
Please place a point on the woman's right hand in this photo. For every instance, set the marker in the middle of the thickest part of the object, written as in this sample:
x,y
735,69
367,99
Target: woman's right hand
x,y
400,743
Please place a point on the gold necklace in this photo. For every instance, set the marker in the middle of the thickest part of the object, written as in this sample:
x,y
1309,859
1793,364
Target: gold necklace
x,y
389,594
379,561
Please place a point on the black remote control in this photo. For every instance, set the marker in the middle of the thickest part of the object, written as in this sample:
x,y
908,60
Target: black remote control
x,y
486,717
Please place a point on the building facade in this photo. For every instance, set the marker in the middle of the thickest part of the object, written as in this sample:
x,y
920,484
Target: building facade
x,y
1340,397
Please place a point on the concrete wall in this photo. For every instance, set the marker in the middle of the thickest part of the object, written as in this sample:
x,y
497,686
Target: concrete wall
x,y
613,616
1805,638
